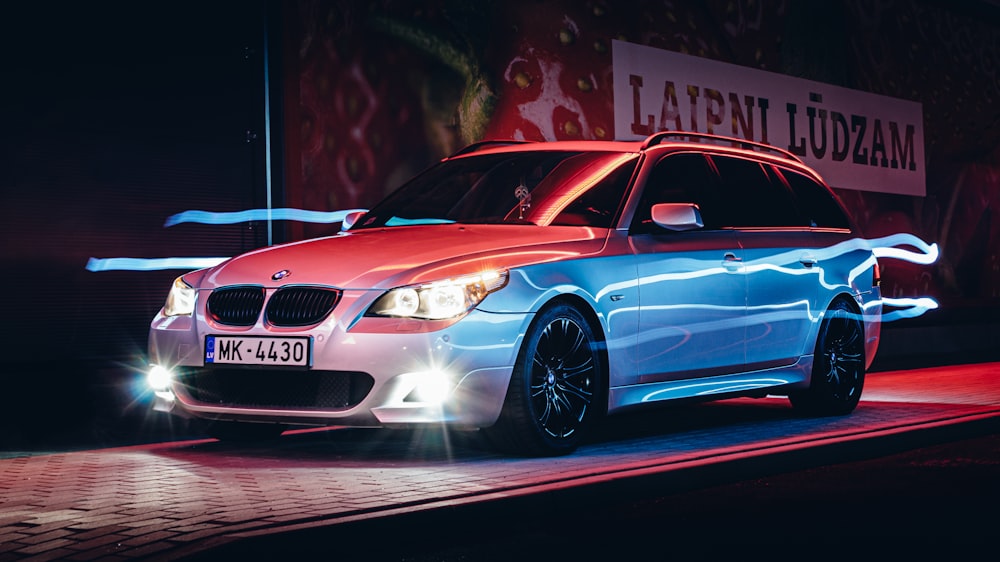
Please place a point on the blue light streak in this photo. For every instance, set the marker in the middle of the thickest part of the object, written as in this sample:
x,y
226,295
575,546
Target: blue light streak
x,y
714,387
150,264
886,247
397,221
909,307
280,214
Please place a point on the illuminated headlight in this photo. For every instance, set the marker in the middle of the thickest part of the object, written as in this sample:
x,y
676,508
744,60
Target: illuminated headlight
x,y
439,300
180,301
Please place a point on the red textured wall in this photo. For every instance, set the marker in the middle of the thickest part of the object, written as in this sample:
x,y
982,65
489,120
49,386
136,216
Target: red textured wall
x,y
377,91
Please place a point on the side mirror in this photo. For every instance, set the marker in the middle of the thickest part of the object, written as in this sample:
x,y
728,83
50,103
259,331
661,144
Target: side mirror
x,y
677,216
350,219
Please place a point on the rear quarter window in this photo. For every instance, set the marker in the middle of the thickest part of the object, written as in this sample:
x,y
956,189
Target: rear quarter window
x,y
816,201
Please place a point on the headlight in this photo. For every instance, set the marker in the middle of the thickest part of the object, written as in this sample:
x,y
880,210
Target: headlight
x,y
180,301
439,300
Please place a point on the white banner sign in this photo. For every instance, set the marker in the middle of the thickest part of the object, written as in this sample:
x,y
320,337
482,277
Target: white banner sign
x,y
854,139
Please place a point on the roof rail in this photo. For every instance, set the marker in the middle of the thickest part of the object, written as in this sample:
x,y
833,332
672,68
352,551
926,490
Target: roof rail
x,y
477,146
657,138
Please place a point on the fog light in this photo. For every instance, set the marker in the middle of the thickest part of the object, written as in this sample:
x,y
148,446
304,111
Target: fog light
x,y
159,378
432,389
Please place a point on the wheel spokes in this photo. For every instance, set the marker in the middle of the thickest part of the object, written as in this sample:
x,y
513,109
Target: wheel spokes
x,y
561,378
844,355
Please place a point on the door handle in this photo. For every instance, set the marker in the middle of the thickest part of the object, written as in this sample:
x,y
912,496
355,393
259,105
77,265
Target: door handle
x,y
808,260
731,261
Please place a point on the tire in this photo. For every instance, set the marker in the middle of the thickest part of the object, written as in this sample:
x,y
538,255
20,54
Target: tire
x,y
243,432
556,390
838,372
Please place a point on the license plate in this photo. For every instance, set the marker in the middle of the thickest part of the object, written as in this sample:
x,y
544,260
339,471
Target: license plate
x,y
251,350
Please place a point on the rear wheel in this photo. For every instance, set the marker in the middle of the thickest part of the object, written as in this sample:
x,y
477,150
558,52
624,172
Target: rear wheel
x,y
555,391
838,372
243,432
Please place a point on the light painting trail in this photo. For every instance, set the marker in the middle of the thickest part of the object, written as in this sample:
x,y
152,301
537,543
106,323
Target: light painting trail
x,y
886,247
150,264
908,308
281,214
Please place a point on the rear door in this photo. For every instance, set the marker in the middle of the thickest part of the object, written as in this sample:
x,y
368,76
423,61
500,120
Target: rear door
x,y
692,290
783,271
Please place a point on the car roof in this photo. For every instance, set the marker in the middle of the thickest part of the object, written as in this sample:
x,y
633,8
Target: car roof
x,y
500,146
661,141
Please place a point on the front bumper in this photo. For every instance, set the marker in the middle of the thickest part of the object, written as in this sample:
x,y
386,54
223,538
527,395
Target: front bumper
x,y
398,372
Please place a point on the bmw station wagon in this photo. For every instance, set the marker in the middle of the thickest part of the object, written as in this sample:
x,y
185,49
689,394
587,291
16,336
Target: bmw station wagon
x,y
526,290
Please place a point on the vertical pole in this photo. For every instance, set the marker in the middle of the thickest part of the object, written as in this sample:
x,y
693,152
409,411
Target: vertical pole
x,y
267,129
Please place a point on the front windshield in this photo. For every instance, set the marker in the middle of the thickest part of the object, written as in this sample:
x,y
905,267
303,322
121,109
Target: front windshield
x,y
534,187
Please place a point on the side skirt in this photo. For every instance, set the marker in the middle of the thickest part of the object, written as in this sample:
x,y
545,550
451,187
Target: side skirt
x,y
779,379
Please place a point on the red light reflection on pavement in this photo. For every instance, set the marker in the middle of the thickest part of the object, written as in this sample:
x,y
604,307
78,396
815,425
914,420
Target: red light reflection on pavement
x,y
168,498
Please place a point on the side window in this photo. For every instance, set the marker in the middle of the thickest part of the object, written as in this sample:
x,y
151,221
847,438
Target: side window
x,y
678,178
599,204
752,199
816,201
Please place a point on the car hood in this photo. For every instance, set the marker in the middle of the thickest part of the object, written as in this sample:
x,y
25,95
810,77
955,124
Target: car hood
x,y
385,258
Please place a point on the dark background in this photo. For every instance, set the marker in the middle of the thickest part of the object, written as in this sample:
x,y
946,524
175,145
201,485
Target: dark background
x,y
117,115
114,116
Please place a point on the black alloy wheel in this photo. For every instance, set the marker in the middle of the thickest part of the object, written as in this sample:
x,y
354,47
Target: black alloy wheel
x,y
555,391
838,372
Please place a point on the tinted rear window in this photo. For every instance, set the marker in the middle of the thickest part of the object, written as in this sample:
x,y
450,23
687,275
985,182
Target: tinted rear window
x,y
816,201
752,199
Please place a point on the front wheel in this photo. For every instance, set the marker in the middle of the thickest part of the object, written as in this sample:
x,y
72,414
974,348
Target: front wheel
x,y
555,391
838,372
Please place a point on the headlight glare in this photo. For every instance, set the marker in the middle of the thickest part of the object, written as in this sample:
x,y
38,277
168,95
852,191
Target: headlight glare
x,y
180,301
439,300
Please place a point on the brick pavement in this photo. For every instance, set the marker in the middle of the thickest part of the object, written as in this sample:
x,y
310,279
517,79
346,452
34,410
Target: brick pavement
x,y
170,499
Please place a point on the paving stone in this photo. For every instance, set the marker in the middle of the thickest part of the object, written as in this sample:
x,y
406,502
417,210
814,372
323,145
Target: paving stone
x,y
104,554
112,539
148,549
155,521
99,521
85,535
140,540
47,516
54,554
45,528
44,537
45,546
195,527
11,536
